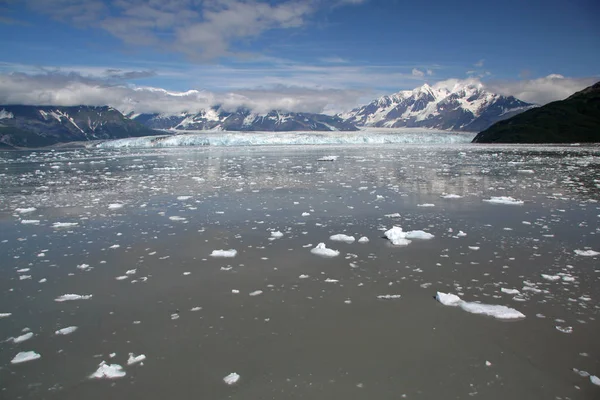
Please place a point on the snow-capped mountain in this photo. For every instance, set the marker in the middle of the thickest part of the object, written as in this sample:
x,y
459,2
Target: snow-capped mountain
x,y
217,119
462,107
38,126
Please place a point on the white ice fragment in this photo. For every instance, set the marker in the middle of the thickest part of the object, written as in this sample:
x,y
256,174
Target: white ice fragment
x,y
108,371
303,277
340,237
509,291
115,206
25,356
22,338
551,278
329,280
183,197
426,205
66,331
231,378
196,309
58,225
474,248
564,329
328,158
595,380
224,253
25,210
176,218
276,235
587,253
394,215
305,214
419,235
122,277
504,200
488,364
30,221
71,297
5,315
496,311
451,196
323,251
133,359
363,239
389,296
256,293
397,236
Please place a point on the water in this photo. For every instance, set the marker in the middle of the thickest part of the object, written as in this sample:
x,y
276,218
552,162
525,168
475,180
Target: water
x,y
303,337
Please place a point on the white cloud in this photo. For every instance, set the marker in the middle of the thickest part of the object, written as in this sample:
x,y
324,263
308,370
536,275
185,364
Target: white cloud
x,y
418,73
479,64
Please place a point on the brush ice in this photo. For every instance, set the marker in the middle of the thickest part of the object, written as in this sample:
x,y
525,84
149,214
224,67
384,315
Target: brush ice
x,y
504,200
25,356
133,359
66,331
340,237
71,297
496,311
224,253
108,371
323,251
231,378
587,253
23,338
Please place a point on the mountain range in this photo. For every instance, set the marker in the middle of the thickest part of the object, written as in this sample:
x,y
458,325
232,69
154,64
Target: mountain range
x,y
573,120
464,107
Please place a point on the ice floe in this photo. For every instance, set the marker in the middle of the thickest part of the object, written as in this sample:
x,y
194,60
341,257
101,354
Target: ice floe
x,y
71,297
451,196
400,238
504,200
25,356
231,379
23,337
133,359
340,237
389,296
26,210
59,225
363,239
323,251
224,253
587,253
496,311
276,235
108,371
66,331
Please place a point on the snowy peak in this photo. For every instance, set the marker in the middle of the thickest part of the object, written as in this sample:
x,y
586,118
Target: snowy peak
x,y
458,106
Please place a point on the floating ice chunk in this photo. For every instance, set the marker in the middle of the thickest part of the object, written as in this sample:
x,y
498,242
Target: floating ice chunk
x,y
115,246
231,378
256,293
389,296
329,280
83,267
25,210
183,197
328,158
224,253
451,196
176,218
304,277
22,338
108,371
196,309
461,234
595,380
133,359
509,291
394,215
504,200
115,206
30,221
397,236
525,171
426,205
323,251
5,315
59,225
363,239
419,235
551,278
475,248
122,277
496,311
25,356
71,297
340,237
564,329
305,214
66,331
276,235
587,253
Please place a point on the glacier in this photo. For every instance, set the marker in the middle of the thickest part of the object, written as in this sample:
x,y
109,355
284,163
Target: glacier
x,y
375,136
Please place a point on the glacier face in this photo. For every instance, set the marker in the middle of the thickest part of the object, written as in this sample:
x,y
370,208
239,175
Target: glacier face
x,y
461,107
376,136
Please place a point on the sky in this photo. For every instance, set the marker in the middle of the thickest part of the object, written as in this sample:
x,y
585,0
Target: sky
x,y
294,55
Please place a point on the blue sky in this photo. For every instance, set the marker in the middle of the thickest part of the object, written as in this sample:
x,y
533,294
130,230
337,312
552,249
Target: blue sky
x,y
343,52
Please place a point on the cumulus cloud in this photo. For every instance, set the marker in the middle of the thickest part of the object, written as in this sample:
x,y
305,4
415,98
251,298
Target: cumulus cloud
x,y
200,29
418,73
74,89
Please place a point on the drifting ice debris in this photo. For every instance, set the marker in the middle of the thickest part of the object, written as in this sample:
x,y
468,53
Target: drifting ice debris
x,y
305,214
66,331
58,225
108,371
397,236
183,197
587,253
115,206
23,338
419,235
426,205
551,278
340,237
256,293
176,218
25,356
496,311
363,239
323,251
505,200
595,380
71,297
276,235
224,253
133,359
5,315
30,221
389,296
564,329
328,158
451,196
509,291
231,378
25,210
